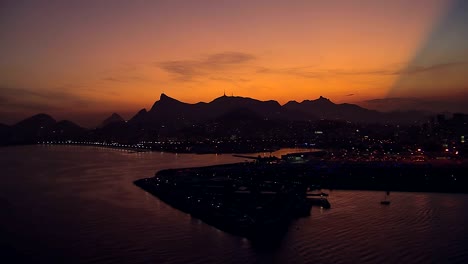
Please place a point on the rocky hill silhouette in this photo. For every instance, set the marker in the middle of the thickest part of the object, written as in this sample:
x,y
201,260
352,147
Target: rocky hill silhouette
x,y
169,117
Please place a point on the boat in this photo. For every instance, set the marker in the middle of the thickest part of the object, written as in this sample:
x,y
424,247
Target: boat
x,y
319,199
386,201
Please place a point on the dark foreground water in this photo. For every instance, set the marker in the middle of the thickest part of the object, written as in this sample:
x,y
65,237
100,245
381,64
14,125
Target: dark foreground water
x,y
78,204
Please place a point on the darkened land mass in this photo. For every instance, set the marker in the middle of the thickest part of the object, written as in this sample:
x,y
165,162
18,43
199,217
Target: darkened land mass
x,y
247,199
114,118
237,124
365,149
244,125
259,199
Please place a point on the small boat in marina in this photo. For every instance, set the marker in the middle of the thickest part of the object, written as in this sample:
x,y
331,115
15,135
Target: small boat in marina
x,y
386,201
319,199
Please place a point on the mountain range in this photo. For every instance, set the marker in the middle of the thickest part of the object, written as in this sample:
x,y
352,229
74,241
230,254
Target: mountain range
x,y
168,115
169,111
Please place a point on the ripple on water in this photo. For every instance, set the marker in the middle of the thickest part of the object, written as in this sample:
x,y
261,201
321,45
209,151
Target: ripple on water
x,y
79,204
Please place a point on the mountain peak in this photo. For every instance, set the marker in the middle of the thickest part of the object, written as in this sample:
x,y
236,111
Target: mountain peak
x,y
223,97
140,116
39,120
114,118
164,100
41,116
323,98
292,102
164,97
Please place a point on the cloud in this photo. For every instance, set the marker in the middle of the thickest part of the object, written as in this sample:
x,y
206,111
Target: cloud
x,y
409,70
349,94
113,79
43,93
306,72
363,72
431,68
238,82
124,78
225,58
314,73
414,103
41,100
295,71
392,100
187,69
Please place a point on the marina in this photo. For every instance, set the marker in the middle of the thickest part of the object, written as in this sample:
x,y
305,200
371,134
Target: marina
x,y
259,198
253,199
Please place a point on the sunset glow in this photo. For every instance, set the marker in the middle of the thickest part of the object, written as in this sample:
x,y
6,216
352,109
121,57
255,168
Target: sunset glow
x,y
83,60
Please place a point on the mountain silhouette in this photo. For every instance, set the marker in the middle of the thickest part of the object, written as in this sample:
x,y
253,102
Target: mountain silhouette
x,y
66,129
323,108
140,117
265,109
114,118
41,127
39,121
172,113
225,116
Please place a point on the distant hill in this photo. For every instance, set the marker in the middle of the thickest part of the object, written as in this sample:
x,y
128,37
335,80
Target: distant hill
x,y
32,129
43,126
323,108
225,116
39,121
114,118
65,129
173,113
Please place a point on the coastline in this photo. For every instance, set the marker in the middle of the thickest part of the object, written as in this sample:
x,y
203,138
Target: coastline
x,y
213,193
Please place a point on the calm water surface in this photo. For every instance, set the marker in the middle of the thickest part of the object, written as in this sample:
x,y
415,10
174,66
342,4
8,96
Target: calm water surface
x,y
78,204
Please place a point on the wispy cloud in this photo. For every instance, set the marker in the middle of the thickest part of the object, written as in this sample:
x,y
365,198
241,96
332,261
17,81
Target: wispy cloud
x,y
185,70
409,70
227,58
41,100
212,65
309,72
392,100
431,68
304,72
363,72
123,79
316,73
113,79
47,94
239,82
414,103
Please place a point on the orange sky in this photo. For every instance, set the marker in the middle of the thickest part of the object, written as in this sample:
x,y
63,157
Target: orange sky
x,y
73,59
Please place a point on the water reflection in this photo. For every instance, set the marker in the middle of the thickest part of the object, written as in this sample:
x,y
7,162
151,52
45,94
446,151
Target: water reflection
x,y
58,199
